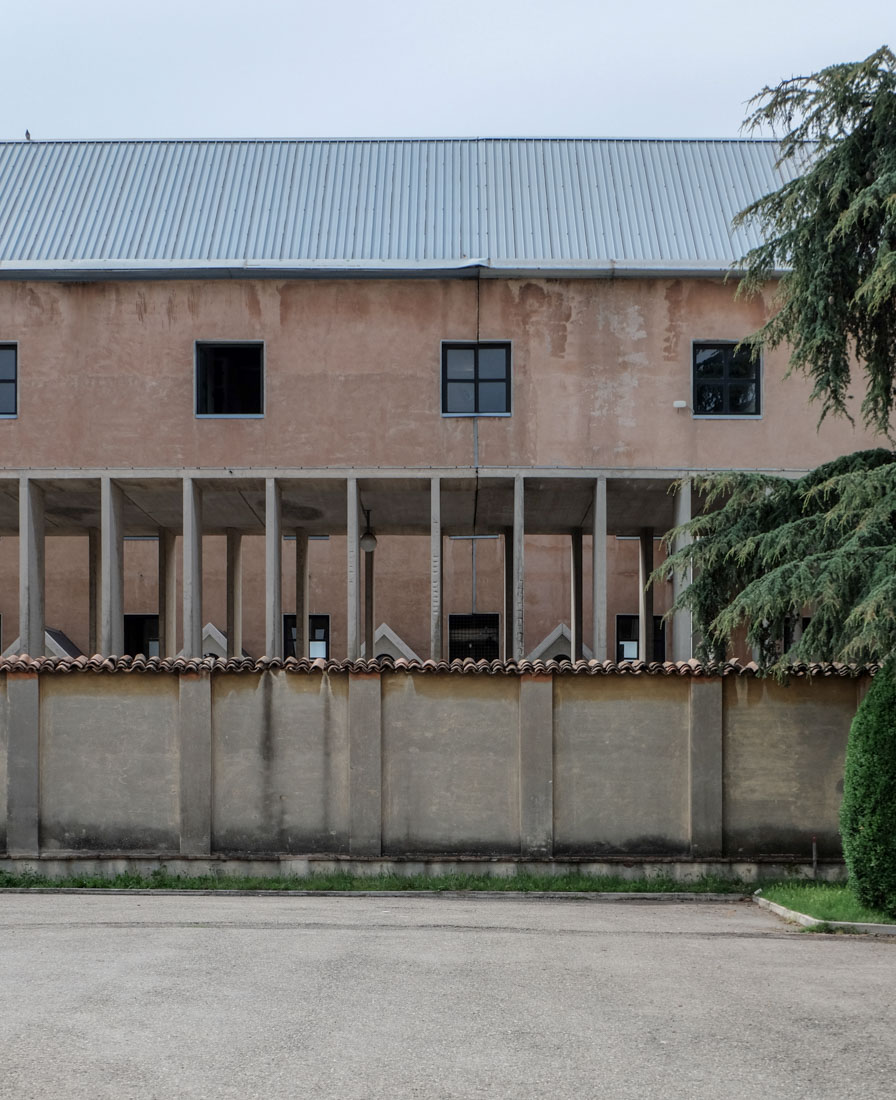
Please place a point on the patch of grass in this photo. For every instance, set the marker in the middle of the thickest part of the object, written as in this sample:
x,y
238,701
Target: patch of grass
x,y
523,882
827,901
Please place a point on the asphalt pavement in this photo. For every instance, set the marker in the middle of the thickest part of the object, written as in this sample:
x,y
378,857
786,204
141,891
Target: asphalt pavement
x,y
136,996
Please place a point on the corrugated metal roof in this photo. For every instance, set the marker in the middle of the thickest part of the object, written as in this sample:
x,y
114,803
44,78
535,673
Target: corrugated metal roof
x,y
365,205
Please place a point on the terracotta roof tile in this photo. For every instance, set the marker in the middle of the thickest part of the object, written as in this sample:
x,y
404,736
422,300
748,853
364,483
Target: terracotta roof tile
x,y
468,667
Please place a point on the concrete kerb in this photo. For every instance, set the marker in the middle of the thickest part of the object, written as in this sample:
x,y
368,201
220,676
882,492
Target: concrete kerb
x,y
455,895
834,925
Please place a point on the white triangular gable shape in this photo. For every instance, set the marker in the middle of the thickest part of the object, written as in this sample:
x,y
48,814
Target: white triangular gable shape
x,y
52,647
557,644
214,643
386,643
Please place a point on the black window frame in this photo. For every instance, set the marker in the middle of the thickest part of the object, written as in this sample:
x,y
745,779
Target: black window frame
x,y
632,623
483,636
476,347
316,623
200,388
744,355
12,383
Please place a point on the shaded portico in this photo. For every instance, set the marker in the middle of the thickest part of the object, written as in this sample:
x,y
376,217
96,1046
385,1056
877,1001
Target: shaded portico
x,y
107,506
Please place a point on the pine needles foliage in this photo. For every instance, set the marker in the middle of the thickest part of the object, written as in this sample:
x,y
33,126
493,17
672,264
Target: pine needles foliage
x,y
868,811
831,230
768,549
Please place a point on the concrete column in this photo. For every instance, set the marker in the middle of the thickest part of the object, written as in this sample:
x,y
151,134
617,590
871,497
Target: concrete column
x,y
353,579
368,603
94,588
435,569
682,625
536,766
112,568
192,587
167,593
31,568
195,731
273,570
23,764
645,596
302,607
365,764
706,775
577,608
519,583
508,593
234,592
599,570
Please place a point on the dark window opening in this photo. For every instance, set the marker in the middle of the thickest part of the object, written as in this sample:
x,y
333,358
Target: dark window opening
x,y
473,636
318,636
476,379
726,380
627,638
141,635
229,379
8,380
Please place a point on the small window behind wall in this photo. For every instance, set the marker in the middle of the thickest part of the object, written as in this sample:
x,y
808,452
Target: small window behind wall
x,y
318,636
229,379
473,636
141,635
627,638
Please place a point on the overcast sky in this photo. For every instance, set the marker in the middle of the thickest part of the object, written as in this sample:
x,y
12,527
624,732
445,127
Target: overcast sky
x,y
410,68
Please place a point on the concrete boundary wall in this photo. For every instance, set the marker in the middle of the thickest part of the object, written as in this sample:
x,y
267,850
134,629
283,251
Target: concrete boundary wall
x,y
376,763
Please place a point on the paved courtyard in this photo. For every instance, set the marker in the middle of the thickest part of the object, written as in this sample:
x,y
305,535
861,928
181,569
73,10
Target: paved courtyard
x,y
208,996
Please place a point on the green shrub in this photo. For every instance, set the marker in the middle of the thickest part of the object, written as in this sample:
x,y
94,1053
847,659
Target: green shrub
x,y
868,812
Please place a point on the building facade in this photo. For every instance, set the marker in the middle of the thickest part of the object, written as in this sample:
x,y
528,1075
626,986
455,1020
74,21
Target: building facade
x,y
424,398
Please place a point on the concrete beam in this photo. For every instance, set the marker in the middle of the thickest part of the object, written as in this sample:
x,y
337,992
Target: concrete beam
x,y
706,775
365,765
435,569
645,595
519,573
31,568
167,593
234,593
112,568
682,621
273,570
599,570
195,733
508,593
536,766
192,586
23,764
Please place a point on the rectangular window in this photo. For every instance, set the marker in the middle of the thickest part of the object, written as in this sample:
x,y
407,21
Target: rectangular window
x,y
475,379
473,636
8,380
141,635
318,636
726,380
627,638
230,379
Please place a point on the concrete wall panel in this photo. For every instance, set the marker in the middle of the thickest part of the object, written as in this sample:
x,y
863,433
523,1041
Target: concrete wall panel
x,y
621,765
109,763
783,764
450,764
280,763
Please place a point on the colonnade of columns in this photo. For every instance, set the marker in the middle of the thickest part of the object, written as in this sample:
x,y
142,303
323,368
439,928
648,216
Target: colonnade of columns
x,y
106,585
